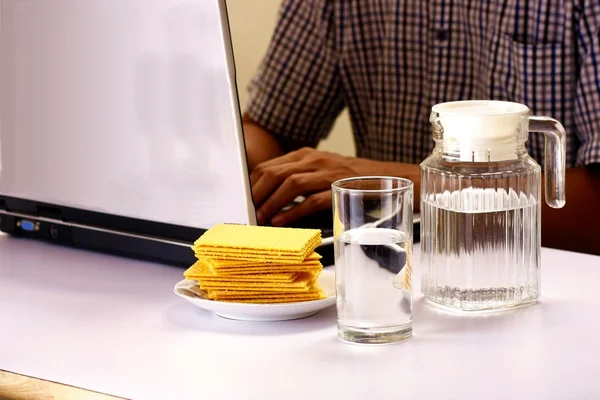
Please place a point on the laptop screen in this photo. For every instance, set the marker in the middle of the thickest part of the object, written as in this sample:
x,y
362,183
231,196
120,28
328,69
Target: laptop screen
x,y
124,107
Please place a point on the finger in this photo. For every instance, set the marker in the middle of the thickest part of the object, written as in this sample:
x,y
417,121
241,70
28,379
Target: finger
x,y
294,186
273,177
290,157
314,203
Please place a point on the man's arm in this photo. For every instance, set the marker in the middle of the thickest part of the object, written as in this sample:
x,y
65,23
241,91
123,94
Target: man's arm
x,y
261,146
576,226
297,94
310,173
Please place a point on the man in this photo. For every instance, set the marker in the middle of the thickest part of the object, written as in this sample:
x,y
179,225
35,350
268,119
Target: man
x,y
389,61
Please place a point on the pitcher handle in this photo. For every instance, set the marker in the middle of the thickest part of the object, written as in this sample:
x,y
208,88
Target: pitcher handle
x,y
554,158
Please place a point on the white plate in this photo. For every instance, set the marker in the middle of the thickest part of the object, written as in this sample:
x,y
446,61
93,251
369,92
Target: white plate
x,y
261,312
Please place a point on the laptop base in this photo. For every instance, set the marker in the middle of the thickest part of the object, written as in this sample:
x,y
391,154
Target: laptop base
x,y
133,238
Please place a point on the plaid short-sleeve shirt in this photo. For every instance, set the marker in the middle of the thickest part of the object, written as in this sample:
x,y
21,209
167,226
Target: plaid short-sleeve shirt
x,y
389,61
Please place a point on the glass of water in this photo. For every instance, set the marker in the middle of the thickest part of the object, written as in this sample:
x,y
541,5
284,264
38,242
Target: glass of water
x,y
373,229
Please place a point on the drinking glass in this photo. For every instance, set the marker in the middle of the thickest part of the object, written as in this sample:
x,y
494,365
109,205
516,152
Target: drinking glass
x,y
373,229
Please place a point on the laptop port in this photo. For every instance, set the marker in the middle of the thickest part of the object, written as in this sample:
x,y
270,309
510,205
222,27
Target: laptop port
x,y
28,226
54,232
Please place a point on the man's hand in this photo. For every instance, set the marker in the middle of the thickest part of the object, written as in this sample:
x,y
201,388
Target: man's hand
x,y
305,172
308,172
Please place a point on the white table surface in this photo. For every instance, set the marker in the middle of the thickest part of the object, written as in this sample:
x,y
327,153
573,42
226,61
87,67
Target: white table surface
x,y
113,325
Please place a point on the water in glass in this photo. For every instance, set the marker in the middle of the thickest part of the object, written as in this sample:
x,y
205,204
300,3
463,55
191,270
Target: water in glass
x,y
373,285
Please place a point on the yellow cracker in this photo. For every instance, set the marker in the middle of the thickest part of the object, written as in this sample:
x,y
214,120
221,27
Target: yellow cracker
x,y
303,281
270,301
314,293
275,278
214,288
227,252
199,271
203,266
260,238
303,278
254,271
253,257
288,295
269,267
243,286
264,265
254,264
236,287
313,256
224,282
235,250
249,293
262,299
217,263
265,295
286,276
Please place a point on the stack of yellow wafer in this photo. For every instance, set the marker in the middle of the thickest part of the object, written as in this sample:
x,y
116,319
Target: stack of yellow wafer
x,y
251,264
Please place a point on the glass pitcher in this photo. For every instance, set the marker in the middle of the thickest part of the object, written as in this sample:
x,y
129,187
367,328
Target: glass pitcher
x,y
480,204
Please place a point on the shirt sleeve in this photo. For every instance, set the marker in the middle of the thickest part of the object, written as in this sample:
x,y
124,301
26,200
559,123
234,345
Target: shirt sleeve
x,y
587,102
297,93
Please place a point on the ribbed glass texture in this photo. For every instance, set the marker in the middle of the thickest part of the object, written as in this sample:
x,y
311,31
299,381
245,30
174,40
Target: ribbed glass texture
x,y
480,232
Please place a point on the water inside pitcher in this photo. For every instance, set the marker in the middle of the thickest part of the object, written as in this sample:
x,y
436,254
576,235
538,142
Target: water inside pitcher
x,y
480,204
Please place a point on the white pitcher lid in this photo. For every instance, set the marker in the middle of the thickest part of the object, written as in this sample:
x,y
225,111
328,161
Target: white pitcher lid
x,y
483,130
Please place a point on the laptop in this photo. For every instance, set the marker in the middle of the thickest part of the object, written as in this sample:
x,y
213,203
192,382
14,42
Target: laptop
x,y
120,126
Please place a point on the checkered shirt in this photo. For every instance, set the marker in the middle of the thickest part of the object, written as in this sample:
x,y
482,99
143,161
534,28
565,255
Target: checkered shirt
x,y
389,61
